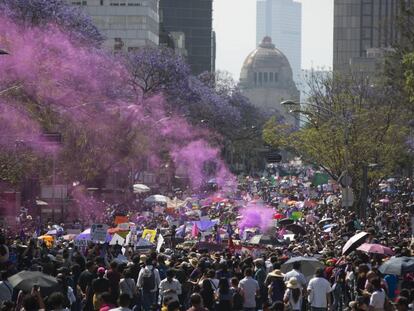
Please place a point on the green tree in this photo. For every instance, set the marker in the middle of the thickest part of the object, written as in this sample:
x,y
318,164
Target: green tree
x,y
340,104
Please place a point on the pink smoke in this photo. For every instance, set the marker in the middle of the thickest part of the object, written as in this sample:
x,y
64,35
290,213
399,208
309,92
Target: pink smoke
x,y
256,216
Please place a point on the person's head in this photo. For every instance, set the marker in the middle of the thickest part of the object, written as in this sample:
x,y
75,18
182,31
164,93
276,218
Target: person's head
x,y
170,274
124,300
206,285
376,283
173,306
195,300
148,262
56,301
402,304
223,285
105,298
101,272
277,306
127,274
113,265
30,303
296,265
90,265
319,273
7,306
248,272
4,275
234,282
75,269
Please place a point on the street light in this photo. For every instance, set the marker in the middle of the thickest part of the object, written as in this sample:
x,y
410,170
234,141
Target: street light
x,y
343,120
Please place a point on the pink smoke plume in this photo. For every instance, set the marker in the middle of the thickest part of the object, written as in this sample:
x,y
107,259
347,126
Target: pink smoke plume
x,y
256,216
90,89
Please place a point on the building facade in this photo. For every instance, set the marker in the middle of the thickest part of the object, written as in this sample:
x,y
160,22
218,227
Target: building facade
x,y
126,24
266,79
194,19
282,21
364,31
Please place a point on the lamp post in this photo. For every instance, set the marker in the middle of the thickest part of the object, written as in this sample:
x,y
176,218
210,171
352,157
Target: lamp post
x,y
345,122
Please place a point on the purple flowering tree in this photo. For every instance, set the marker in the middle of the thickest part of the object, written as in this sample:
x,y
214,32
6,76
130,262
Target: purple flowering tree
x,y
59,12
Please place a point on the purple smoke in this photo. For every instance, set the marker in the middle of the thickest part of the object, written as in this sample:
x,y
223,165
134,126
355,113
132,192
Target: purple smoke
x,y
256,216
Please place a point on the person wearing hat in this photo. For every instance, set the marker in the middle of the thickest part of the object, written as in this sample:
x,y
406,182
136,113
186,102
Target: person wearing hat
x,y
293,295
276,288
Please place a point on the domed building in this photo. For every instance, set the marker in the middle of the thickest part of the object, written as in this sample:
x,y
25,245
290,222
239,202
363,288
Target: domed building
x,y
266,79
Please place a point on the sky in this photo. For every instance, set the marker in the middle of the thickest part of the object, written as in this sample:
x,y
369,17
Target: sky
x,y
235,26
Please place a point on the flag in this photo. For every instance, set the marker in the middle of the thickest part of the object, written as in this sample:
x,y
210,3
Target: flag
x,y
230,230
231,244
218,237
194,231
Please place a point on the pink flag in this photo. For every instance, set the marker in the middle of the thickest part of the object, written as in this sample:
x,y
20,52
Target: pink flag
x,y
194,231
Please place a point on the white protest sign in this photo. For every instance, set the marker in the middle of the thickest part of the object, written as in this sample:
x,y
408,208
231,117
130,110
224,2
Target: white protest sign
x,y
99,232
160,242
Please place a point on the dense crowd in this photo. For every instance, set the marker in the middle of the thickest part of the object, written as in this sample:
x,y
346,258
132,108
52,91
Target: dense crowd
x,y
251,277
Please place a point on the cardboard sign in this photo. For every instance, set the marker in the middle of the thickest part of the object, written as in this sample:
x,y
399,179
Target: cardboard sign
x,y
123,226
121,220
99,232
80,243
149,235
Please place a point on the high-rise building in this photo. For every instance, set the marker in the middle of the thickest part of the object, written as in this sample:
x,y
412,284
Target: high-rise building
x,y
282,21
126,24
194,18
364,30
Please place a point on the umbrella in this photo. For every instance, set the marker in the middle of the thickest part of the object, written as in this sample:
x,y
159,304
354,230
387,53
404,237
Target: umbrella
x,y
157,198
296,229
140,188
286,221
69,237
52,232
354,242
278,216
325,220
397,265
376,249
3,52
25,280
308,265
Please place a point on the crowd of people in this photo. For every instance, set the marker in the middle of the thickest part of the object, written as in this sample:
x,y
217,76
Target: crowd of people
x,y
248,277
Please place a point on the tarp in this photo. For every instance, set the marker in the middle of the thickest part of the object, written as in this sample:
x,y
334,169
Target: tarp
x,y
320,179
117,239
204,225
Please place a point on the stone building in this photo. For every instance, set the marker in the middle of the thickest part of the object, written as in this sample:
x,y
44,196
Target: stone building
x,y
266,79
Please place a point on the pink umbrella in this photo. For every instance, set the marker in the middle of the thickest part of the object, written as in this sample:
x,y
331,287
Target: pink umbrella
x,y
385,201
376,249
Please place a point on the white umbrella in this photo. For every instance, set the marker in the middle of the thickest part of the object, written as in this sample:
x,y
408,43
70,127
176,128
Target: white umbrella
x,y
157,198
140,188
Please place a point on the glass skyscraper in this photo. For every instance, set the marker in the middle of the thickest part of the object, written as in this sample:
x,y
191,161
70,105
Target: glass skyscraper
x,y
282,21
194,19
363,31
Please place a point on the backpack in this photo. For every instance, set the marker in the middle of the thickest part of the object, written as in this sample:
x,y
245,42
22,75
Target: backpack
x,y
237,300
148,283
